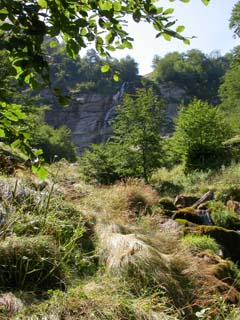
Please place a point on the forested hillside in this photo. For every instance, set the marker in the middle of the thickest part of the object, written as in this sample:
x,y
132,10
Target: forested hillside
x,y
92,95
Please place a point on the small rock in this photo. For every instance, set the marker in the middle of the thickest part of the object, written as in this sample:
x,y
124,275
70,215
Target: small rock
x,y
10,303
170,225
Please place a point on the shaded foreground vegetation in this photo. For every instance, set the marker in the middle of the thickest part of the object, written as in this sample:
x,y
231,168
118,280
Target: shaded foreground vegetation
x,y
70,250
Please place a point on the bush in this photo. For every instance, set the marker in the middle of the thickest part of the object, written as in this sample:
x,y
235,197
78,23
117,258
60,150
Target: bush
x,y
231,192
199,243
30,263
167,188
55,143
222,217
98,165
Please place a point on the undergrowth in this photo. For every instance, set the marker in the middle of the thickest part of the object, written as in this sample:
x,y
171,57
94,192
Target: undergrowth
x,y
101,253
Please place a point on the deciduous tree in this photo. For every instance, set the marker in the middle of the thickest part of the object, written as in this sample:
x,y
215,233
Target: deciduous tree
x,y
200,132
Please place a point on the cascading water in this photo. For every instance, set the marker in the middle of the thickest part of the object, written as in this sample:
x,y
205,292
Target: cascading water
x,y
116,99
204,216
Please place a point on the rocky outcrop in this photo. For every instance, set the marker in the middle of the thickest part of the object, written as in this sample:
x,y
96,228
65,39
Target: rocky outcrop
x,y
173,95
88,117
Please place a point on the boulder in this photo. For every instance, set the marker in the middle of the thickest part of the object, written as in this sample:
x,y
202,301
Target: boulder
x,y
228,239
185,201
167,203
195,216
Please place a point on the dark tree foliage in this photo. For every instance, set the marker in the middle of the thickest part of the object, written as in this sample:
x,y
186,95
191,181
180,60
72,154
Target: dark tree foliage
x,y
198,74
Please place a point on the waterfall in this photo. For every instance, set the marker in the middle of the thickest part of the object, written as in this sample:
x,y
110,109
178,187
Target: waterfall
x,y
119,94
204,216
116,99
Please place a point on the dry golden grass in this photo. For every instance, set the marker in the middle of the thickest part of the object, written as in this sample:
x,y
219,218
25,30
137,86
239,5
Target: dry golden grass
x,y
122,203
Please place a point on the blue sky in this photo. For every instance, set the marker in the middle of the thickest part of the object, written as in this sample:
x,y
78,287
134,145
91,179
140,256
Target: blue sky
x,y
208,23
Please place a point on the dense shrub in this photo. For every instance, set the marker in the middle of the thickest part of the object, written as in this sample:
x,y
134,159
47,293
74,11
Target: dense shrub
x,y
231,192
200,132
55,143
98,164
222,217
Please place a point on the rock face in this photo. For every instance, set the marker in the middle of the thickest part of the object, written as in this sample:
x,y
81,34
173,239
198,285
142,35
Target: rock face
x,y
173,96
89,115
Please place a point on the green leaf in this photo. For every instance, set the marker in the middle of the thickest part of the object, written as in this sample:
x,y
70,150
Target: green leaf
x,y
3,11
206,2
127,44
180,29
105,5
117,6
157,26
110,37
53,44
40,171
105,68
166,36
168,11
9,115
186,41
38,152
2,133
16,143
111,48
7,26
42,3
116,77
72,48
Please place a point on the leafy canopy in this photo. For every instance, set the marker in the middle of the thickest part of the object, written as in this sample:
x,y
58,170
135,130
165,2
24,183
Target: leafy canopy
x,y
24,24
235,19
200,132
198,74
